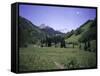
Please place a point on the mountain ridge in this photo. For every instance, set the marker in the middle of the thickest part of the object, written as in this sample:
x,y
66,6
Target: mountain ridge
x,y
81,30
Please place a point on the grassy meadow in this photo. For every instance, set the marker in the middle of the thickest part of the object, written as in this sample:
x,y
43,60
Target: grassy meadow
x,y
48,49
49,58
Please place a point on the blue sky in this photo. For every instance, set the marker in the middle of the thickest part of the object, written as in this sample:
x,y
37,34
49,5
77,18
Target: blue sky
x,y
63,19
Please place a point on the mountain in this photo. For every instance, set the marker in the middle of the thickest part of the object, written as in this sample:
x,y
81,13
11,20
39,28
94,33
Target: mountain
x,y
49,31
42,26
28,32
79,33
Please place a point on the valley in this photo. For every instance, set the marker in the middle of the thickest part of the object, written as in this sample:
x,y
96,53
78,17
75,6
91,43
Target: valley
x,y
47,49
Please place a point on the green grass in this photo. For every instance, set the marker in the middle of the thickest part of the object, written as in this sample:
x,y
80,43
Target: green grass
x,y
75,38
87,26
35,58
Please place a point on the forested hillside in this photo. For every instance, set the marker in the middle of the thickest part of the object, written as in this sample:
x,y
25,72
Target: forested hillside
x,y
86,33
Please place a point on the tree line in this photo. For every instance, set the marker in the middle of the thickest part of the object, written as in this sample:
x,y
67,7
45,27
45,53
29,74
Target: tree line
x,y
49,41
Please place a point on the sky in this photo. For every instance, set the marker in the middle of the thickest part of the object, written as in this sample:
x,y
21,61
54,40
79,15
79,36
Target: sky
x,y
63,19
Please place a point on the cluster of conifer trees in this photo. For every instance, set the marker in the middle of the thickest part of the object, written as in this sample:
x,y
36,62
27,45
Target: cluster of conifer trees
x,y
53,41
